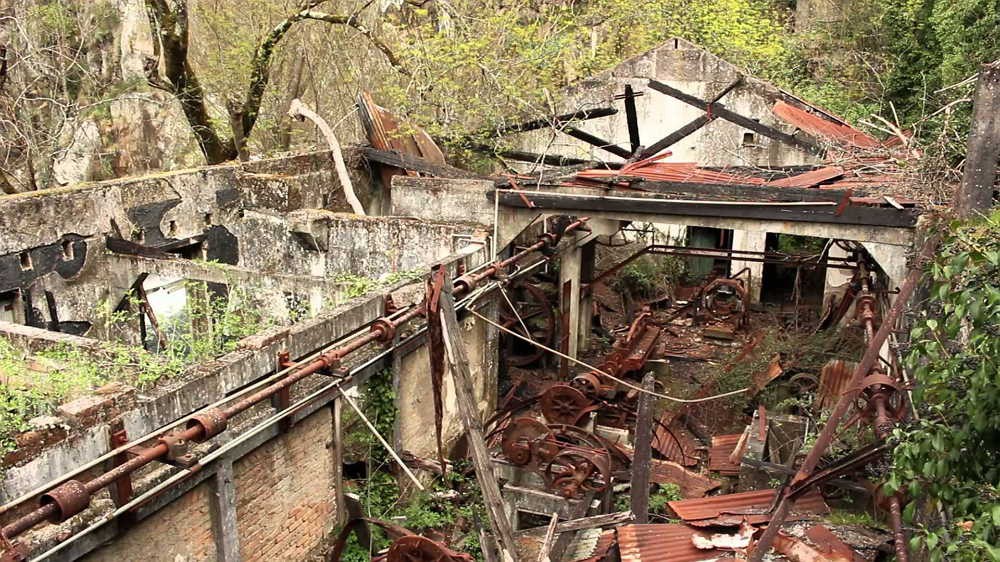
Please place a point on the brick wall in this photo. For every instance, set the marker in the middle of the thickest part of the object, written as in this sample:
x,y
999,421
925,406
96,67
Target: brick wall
x,y
180,532
285,494
285,506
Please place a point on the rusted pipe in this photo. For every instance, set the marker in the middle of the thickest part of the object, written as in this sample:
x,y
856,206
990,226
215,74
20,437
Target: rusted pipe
x,y
73,496
843,404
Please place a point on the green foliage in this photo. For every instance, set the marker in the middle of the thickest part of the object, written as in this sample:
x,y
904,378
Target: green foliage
x,y
649,276
357,285
658,498
947,459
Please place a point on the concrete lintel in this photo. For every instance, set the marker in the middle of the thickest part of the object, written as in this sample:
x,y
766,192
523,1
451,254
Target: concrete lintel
x,y
879,234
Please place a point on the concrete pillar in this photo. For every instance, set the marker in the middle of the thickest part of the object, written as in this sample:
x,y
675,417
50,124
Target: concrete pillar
x,y
223,512
588,254
835,278
570,266
755,241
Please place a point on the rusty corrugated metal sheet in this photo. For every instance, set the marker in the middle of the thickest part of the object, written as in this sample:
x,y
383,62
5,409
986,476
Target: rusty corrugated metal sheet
x,y
653,169
692,484
661,543
718,455
833,381
810,178
666,445
600,549
733,508
819,127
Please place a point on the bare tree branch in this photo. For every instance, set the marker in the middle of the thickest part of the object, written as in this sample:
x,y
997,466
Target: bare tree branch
x,y
261,65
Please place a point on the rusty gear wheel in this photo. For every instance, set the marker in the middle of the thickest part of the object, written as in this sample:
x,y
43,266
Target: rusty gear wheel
x,y
519,439
563,404
415,548
572,472
536,313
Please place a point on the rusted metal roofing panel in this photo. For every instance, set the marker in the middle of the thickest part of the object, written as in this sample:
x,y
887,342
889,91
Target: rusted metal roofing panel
x,y
718,456
819,127
753,505
652,169
833,381
674,444
661,543
692,484
597,550
810,178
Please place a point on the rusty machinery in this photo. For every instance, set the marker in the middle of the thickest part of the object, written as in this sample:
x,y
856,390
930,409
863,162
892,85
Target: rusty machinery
x,y
406,546
72,496
570,459
597,391
534,319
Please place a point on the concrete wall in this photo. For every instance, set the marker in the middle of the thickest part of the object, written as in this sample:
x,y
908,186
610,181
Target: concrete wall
x,y
61,231
695,71
414,398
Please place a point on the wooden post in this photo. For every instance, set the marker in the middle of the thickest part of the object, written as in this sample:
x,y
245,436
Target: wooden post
x,y
643,452
462,377
976,192
550,533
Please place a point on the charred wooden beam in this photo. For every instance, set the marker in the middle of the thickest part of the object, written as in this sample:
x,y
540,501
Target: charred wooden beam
x,y
555,122
720,110
415,163
699,122
742,191
598,142
547,159
979,176
632,119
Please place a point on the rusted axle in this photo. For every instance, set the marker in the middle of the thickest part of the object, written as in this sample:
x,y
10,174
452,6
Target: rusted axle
x,y
73,496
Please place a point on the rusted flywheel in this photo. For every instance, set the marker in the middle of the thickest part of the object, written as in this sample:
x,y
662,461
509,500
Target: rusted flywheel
x,y
521,438
563,404
575,470
415,548
536,314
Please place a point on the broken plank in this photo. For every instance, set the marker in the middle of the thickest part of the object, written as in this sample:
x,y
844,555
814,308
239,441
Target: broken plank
x,y
462,375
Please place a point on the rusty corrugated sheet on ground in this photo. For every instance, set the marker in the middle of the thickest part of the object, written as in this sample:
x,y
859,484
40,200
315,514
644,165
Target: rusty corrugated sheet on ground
x,y
661,543
830,545
753,506
809,179
718,455
665,443
692,484
833,381
599,550
817,126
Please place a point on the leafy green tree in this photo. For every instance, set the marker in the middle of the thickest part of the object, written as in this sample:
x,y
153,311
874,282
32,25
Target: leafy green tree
x,y
948,461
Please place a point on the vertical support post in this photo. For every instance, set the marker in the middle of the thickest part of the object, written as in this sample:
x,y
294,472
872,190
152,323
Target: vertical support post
x,y
462,377
975,195
239,134
643,451
222,504
569,279
588,255
752,240
337,454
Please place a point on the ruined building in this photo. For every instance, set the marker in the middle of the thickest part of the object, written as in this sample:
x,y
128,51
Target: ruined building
x,y
209,330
